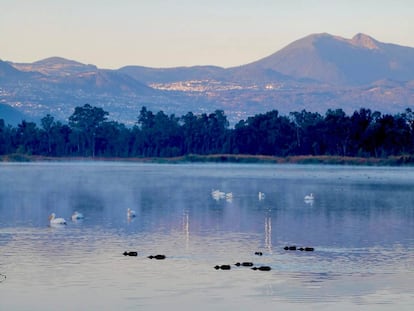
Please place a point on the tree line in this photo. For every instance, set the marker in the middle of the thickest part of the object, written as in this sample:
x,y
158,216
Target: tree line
x,y
89,133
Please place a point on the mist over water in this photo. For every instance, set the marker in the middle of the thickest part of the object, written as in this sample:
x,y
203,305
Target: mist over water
x,y
361,224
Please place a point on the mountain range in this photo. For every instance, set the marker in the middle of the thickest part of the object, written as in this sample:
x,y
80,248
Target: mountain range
x,y
316,73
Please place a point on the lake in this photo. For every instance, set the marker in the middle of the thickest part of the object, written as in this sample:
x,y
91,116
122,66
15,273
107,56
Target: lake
x,y
360,224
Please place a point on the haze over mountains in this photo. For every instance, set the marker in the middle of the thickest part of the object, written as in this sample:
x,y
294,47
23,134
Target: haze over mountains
x,y
315,73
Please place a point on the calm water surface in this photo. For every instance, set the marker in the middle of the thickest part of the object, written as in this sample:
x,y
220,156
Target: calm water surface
x,y
361,224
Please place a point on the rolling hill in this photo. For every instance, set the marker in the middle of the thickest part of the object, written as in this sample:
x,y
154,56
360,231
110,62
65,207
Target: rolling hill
x,y
316,73
11,115
335,60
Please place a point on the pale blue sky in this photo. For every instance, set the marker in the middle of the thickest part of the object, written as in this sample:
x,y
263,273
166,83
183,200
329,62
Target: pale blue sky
x,y
169,33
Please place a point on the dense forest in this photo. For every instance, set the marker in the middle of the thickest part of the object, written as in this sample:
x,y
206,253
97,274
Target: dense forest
x,y
89,133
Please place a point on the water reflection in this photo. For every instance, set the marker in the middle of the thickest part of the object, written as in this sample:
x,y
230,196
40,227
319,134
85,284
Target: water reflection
x,y
186,229
268,234
361,224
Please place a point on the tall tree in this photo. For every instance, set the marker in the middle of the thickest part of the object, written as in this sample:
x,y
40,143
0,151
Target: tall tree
x,y
85,122
268,134
161,133
216,132
361,124
308,132
47,127
112,140
27,137
337,132
5,138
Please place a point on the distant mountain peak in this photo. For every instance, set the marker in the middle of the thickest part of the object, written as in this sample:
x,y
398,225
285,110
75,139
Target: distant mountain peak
x,y
336,60
57,60
364,41
55,66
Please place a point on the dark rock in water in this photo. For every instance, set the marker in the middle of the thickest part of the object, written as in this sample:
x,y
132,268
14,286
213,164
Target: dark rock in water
x,y
262,268
159,257
258,253
244,264
294,248
290,248
130,253
222,267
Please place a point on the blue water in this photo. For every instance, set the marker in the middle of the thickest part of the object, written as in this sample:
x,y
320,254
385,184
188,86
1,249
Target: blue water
x,y
361,224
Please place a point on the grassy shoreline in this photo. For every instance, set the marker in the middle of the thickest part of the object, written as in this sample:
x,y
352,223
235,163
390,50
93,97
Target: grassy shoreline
x,y
406,160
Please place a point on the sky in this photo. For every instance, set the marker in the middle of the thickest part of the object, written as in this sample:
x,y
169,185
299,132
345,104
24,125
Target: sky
x,y
171,33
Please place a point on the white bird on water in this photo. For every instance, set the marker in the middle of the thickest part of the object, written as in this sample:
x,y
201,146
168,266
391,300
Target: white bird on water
x,y
130,213
56,221
77,216
261,196
217,194
309,197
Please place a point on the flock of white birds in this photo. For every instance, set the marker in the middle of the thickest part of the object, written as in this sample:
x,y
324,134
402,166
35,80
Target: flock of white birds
x,y
216,195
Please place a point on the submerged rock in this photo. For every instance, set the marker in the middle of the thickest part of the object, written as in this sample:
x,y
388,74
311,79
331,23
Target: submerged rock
x,y
130,253
290,248
294,248
158,257
262,268
244,264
